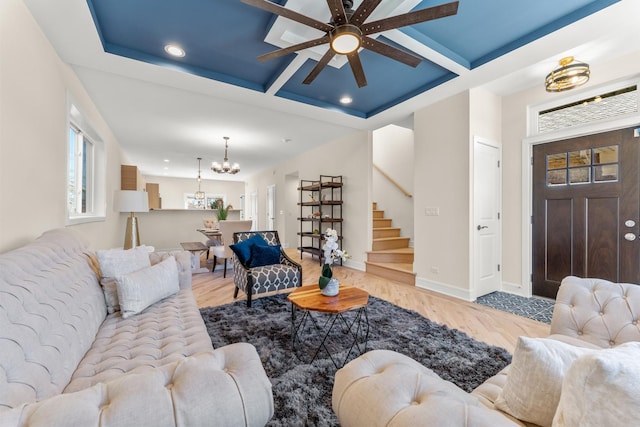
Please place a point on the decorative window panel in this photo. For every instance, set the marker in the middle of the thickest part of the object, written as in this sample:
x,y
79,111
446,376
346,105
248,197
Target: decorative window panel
x,y
601,107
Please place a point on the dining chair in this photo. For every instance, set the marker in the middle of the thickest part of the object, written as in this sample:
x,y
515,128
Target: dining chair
x,y
227,228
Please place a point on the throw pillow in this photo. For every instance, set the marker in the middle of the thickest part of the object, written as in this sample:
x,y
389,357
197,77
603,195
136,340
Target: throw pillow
x,y
243,249
117,262
602,389
534,381
264,255
142,288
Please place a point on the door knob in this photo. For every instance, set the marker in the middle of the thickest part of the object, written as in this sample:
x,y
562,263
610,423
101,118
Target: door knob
x,y
480,227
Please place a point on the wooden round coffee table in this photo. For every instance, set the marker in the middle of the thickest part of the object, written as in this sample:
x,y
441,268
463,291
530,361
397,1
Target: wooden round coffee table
x,y
343,315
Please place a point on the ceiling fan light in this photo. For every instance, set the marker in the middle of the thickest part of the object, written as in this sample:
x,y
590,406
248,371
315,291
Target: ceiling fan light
x,y
346,39
570,74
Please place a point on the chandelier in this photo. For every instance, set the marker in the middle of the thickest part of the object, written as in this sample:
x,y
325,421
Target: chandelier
x,y
199,194
568,75
225,167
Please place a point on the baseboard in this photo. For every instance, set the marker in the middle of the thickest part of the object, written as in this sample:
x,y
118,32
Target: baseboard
x,y
516,289
356,265
443,288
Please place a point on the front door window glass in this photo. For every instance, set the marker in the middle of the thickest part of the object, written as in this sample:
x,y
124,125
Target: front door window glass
x,y
588,166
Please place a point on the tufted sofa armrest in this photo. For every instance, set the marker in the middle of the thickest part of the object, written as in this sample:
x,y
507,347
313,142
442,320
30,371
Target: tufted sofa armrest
x,y
597,311
224,387
183,260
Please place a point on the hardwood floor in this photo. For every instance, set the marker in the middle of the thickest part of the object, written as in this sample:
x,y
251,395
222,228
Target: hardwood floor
x,y
482,323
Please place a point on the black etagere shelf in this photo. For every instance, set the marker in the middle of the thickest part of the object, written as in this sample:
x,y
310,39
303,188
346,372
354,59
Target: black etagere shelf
x,y
320,208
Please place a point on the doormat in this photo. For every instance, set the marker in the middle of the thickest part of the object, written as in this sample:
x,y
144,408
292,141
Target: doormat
x,y
536,308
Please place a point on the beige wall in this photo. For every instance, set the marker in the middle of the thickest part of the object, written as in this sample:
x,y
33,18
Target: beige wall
x,y
172,190
442,181
34,85
350,157
393,153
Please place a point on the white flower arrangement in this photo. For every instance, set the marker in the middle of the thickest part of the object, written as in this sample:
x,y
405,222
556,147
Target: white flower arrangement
x,y
331,251
331,254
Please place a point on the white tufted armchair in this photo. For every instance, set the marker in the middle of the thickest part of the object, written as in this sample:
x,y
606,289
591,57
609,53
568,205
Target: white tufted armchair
x,y
380,387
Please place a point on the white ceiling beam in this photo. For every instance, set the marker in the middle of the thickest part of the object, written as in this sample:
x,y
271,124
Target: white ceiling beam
x,y
432,55
288,72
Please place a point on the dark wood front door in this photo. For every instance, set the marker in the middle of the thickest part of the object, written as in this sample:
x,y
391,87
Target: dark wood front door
x,y
586,210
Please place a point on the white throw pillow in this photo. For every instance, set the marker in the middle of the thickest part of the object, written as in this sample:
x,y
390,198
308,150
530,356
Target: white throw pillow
x,y
117,262
142,288
602,389
534,381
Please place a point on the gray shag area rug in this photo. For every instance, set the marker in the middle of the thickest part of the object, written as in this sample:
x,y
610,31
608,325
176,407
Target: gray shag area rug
x,y
302,392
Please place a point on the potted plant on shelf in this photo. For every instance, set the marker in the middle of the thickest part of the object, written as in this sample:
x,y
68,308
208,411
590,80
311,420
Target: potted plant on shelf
x,y
222,210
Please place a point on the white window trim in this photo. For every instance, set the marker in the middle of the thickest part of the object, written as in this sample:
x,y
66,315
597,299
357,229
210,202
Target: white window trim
x,y
78,120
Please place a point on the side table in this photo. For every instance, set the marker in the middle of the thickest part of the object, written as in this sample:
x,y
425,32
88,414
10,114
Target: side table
x,y
330,328
195,248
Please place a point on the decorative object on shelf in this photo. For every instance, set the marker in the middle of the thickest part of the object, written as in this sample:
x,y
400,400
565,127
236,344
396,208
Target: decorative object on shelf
x,y
131,201
311,198
222,210
329,285
316,231
225,167
570,74
199,195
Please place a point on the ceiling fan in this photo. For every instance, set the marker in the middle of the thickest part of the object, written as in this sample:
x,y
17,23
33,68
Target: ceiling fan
x,y
347,32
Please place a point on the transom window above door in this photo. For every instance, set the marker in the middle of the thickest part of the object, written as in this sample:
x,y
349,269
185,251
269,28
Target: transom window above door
x,y
588,166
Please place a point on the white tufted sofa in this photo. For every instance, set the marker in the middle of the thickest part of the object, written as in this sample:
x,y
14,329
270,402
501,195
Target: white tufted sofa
x,y
384,388
65,362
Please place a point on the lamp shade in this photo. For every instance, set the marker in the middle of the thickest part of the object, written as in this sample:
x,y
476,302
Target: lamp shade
x,y
130,201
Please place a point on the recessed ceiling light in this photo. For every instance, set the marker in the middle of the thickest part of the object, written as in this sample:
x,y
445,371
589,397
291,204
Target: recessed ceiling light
x,y
346,100
174,50
166,168
166,160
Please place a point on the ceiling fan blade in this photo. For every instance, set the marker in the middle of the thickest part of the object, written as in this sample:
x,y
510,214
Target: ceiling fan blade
x,y
391,52
319,67
294,48
338,14
356,68
363,11
410,18
290,14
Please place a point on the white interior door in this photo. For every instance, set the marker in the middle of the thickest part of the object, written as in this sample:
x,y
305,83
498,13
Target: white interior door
x,y
271,207
254,210
487,190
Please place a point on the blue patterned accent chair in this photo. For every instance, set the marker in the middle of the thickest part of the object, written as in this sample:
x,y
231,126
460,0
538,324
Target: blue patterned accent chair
x,y
267,278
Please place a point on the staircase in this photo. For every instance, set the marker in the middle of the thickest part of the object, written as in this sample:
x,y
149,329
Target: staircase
x,y
391,257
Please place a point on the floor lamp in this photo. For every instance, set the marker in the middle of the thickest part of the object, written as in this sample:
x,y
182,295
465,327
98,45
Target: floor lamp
x,y
131,201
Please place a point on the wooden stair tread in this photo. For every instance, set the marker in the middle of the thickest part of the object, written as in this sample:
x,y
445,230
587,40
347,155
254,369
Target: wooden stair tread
x,y
390,257
401,267
392,272
393,251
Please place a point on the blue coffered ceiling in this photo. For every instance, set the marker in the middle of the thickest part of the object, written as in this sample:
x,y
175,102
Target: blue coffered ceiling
x,y
223,38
